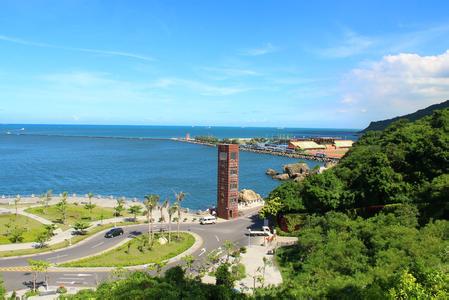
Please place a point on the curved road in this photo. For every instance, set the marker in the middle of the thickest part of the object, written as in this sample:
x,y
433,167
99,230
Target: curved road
x,y
212,235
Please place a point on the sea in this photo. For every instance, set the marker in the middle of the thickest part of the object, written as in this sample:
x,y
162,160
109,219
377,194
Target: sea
x,y
133,161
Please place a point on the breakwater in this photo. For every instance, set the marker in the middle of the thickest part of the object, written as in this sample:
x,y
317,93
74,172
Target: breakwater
x,y
267,151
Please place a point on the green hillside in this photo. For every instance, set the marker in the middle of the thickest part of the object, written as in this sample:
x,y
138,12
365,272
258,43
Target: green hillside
x,y
367,227
381,125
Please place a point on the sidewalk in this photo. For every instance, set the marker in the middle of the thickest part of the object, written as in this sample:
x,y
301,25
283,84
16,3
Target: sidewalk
x,y
253,260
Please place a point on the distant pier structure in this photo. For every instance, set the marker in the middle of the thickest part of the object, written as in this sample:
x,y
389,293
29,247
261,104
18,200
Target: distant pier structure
x,y
228,181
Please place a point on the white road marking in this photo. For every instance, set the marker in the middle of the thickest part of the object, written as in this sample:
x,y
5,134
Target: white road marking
x,y
217,238
99,244
65,282
56,257
79,275
203,250
68,278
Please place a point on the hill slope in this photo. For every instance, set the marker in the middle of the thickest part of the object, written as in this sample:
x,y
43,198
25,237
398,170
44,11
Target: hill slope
x,y
381,125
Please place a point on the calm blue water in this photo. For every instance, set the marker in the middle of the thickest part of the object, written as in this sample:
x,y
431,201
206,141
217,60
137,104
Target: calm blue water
x,y
78,163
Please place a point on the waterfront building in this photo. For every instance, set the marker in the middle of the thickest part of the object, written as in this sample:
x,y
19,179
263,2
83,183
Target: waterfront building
x,y
228,181
343,143
305,145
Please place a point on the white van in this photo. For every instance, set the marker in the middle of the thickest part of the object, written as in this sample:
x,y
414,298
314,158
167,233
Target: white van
x,y
208,220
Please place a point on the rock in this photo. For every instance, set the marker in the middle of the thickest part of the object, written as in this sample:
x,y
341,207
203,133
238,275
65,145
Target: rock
x,y
271,172
282,177
162,241
249,196
298,168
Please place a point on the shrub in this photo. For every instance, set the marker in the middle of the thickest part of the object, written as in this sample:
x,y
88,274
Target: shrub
x,y
61,290
238,271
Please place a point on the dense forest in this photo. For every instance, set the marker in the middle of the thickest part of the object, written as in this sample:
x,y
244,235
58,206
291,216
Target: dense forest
x,y
374,226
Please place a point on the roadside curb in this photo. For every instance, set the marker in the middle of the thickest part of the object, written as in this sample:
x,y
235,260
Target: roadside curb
x,y
196,246
64,248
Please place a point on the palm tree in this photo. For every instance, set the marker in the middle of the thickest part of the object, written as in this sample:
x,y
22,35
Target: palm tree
x,y
62,207
179,197
150,204
39,266
163,206
171,211
90,206
135,210
48,196
120,207
16,202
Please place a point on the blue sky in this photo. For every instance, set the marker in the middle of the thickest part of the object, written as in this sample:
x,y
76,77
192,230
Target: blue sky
x,y
241,63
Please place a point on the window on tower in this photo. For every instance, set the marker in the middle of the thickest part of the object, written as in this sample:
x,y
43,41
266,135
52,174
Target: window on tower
x,y
223,155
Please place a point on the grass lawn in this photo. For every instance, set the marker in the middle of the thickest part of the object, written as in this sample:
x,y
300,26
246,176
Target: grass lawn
x,y
32,228
75,213
119,257
75,239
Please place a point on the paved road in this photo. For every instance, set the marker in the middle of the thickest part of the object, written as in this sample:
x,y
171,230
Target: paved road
x,y
213,236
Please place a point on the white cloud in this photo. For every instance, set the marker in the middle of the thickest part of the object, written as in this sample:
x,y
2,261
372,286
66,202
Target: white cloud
x,y
87,50
232,72
266,49
199,87
351,44
397,84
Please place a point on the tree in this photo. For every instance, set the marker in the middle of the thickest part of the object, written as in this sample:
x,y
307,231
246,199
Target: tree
x,y
271,207
171,211
135,210
224,277
188,261
49,230
16,202
38,266
62,207
81,227
179,198
15,234
322,192
229,248
163,206
90,206
41,239
47,199
45,235
150,204
120,207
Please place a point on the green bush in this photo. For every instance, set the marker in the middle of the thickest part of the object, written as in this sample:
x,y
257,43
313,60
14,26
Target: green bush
x,y
238,271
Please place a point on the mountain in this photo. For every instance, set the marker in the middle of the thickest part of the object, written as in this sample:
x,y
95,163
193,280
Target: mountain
x,y
381,125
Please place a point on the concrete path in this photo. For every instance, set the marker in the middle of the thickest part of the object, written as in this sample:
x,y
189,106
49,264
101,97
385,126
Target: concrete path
x,y
253,260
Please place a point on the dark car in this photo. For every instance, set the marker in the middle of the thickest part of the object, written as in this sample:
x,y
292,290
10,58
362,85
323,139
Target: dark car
x,y
114,232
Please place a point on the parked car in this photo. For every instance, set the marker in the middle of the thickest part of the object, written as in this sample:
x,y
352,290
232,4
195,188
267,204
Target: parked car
x,y
114,232
208,220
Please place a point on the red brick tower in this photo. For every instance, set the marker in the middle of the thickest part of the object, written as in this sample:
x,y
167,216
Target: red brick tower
x,y
228,181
